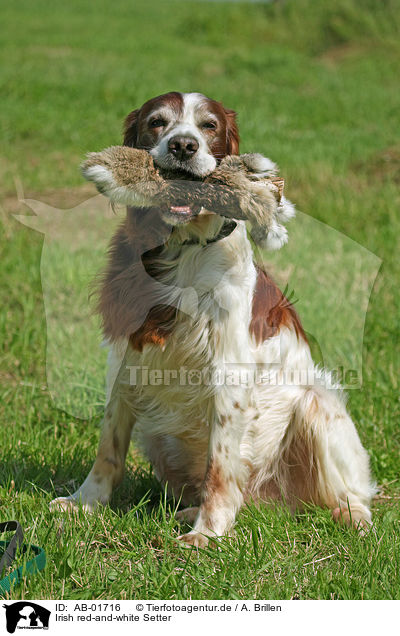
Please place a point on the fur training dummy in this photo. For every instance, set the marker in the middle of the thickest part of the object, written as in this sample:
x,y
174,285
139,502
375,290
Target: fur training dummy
x,y
243,187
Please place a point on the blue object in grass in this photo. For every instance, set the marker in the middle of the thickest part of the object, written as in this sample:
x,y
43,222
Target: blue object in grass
x,y
9,549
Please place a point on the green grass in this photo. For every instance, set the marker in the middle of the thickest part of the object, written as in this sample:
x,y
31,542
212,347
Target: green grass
x,y
316,89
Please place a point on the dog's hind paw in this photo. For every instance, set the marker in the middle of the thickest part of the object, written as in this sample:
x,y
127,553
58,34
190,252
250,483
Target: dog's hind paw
x,y
187,515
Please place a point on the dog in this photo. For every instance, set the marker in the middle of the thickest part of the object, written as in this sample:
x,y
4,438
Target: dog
x,y
216,444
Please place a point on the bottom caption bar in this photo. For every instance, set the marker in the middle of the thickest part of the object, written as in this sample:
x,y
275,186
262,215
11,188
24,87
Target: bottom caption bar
x,y
143,616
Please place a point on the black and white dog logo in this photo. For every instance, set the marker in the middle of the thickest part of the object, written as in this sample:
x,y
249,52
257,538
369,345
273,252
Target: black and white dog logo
x,y
26,615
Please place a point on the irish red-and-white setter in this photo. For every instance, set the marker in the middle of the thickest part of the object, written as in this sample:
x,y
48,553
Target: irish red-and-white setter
x,y
207,383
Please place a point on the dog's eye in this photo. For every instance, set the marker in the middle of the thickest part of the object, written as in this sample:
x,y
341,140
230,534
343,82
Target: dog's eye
x,y
158,123
209,124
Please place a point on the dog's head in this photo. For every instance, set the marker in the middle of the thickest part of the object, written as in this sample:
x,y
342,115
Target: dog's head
x,y
184,132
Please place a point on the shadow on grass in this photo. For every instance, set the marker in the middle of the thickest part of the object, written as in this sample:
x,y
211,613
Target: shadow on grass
x,y
33,476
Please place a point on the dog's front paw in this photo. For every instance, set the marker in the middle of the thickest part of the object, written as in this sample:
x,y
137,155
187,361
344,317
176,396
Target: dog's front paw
x,y
358,517
71,504
195,539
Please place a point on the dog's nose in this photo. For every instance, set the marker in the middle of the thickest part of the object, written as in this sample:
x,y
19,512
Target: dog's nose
x,y
183,147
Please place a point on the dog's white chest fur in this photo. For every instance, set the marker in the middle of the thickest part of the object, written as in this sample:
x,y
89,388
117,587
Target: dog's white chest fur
x,y
172,390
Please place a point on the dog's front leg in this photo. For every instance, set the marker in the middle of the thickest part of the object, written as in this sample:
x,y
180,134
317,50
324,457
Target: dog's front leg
x,y
108,468
225,480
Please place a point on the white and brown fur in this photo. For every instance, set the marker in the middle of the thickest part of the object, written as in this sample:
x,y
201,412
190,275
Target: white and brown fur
x,y
216,446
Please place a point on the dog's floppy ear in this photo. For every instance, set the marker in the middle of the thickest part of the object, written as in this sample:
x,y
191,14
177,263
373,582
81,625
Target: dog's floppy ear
x,y
131,128
232,133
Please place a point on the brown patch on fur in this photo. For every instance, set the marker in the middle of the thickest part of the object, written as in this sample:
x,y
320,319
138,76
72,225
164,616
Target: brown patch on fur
x,y
126,286
225,140
155,329
302,471
130,129
232,132
136,132
222,420
233,138
271,310
214,485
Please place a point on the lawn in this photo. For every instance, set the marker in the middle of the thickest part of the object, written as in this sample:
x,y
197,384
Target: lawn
x,y
316,89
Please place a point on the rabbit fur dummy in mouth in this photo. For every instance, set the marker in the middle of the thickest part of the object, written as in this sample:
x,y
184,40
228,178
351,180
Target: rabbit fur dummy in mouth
x,y
243,187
